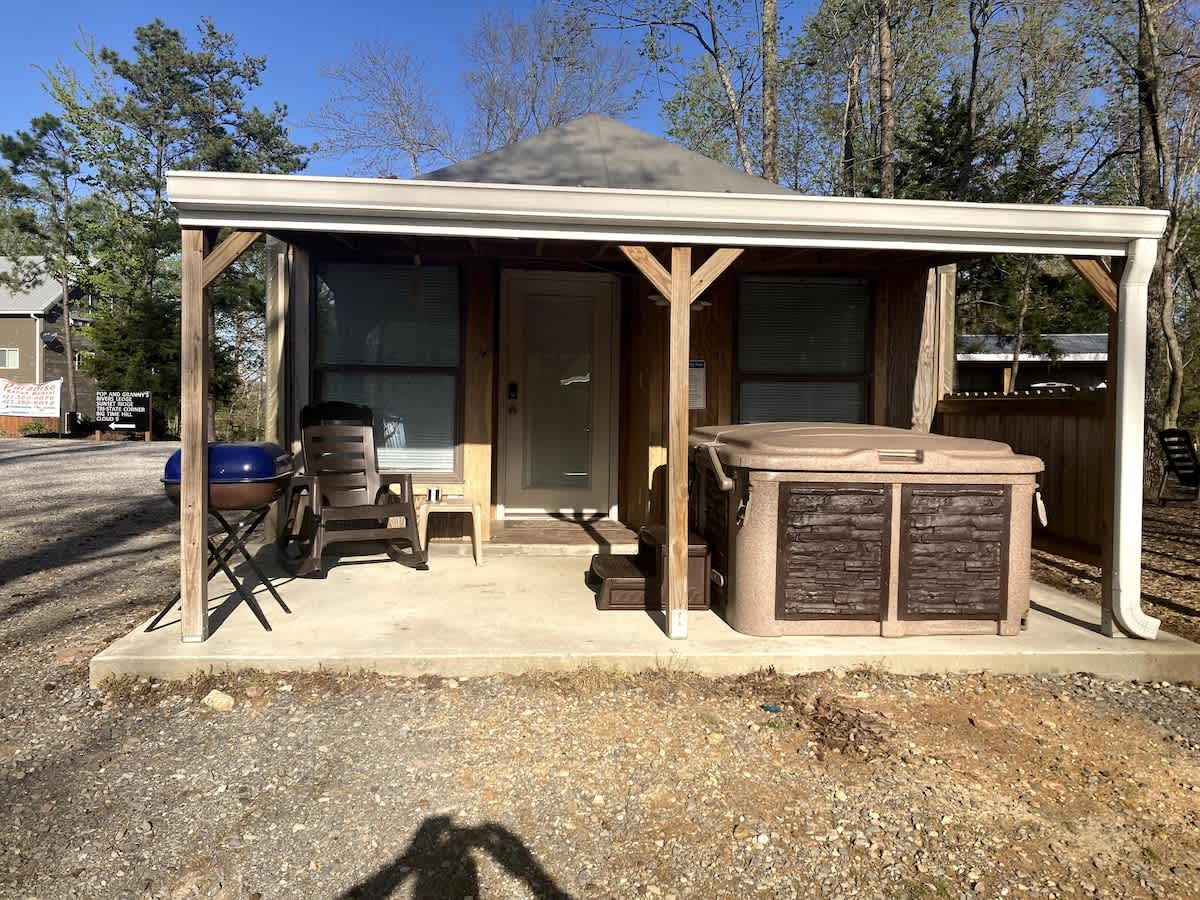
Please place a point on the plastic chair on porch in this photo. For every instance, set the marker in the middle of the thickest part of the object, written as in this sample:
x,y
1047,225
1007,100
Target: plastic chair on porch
x,y
349,500
1180,465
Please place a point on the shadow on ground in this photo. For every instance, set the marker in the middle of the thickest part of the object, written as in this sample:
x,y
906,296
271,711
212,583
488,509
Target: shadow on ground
x,y
440,864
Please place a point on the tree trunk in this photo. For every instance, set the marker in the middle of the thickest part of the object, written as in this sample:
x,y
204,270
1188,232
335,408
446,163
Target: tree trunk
x,y
978,13
68,344
1152,193
1019,336
887,103
770,90
849,161
1175,362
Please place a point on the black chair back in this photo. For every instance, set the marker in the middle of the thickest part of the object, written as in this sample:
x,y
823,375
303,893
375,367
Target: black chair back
x,y
1180,455
336,412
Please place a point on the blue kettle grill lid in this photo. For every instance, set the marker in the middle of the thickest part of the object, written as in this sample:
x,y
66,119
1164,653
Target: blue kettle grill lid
x,y
237,463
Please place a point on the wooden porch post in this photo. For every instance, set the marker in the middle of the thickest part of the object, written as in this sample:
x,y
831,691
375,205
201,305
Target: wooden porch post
x,y
193,488
681,286
198,269
679,336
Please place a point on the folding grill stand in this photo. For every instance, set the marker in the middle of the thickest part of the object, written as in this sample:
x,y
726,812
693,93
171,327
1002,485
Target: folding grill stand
x,y
218,560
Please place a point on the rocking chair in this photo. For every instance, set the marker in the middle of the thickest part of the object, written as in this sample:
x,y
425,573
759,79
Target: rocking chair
x,y
348,499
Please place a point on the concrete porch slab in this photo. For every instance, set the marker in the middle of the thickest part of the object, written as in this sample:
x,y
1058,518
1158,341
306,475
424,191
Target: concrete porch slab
x,y
515,614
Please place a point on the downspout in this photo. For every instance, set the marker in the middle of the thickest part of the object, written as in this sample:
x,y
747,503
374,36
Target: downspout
x,y
1130,428
37,347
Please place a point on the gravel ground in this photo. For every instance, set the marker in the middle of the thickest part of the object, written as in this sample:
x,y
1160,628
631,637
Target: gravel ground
x,y
589,784
1170,568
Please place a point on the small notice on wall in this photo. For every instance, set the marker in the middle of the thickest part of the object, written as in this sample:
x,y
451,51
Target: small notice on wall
x,y
697,385
123,410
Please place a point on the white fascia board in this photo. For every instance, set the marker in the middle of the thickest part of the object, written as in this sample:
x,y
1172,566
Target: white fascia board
x,y
388,206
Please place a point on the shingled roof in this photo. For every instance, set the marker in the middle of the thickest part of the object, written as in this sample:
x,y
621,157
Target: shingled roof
x,y
33,300
596,151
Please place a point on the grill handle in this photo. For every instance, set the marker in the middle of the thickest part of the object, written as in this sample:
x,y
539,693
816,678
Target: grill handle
x,y
724,482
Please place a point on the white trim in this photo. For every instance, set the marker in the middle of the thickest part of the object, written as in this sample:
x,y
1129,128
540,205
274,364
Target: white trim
x,y
7,350
372,205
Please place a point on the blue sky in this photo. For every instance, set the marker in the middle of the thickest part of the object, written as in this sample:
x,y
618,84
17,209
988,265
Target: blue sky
x,y
297,38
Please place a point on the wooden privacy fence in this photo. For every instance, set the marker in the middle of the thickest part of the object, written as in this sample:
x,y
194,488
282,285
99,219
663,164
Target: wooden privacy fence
x,y
1066,429
12,424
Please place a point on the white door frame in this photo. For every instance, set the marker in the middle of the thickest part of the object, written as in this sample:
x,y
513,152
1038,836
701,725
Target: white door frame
x,y
508,277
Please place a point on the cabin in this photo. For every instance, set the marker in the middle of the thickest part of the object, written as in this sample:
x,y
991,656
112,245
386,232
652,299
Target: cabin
x,y
540,328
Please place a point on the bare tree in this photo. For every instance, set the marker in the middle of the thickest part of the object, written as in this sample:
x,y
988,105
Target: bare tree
x,y
718,29
382,115
887,103
770,89
528,74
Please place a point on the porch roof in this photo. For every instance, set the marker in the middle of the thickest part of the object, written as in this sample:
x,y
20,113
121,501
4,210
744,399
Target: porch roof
x,y
467,209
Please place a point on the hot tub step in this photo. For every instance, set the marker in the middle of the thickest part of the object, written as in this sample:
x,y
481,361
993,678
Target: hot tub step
x,y
622,581
634,582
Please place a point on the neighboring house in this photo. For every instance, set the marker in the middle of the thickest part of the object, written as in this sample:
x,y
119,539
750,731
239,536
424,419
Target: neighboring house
x,y
985,363
31,340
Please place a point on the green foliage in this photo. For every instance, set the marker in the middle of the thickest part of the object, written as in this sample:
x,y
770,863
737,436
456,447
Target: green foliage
x,y
170,104
33,429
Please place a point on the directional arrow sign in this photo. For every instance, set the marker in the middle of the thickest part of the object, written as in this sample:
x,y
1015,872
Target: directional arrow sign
x,y
123,410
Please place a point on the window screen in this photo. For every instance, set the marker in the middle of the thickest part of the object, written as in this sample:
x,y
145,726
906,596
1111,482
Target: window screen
x,y
802,350
390,337
10,358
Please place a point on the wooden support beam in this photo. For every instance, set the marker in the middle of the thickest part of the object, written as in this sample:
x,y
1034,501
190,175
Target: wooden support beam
x,y
644,261
680,294
1102,282
711,270
193,494
227,253
681,286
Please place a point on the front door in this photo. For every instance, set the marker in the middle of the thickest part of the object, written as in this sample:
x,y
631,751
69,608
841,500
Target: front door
x,y
558,394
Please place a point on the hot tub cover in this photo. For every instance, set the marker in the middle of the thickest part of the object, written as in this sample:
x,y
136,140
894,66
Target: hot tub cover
x,y
837,447
237,463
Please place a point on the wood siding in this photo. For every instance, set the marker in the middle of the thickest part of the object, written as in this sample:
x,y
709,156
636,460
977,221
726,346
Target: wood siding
x,y
906,351
1068,433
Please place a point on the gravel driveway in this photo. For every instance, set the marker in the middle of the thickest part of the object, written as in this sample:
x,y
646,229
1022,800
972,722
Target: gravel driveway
x,y
590,784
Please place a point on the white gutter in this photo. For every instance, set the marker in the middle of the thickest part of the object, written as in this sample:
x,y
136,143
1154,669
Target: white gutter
x,y
1131,404
388,206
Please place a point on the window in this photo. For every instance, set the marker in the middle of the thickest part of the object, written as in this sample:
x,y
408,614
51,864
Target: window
x,y
390,337
10,358
802,351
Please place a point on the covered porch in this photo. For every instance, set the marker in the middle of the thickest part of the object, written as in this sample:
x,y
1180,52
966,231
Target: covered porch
x,y
518,614
542,349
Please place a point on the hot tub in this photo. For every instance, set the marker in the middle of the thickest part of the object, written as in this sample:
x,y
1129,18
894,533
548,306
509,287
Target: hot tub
x,y
863,530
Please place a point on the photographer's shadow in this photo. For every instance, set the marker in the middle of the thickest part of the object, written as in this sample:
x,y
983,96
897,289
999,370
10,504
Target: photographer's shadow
x,y
440,863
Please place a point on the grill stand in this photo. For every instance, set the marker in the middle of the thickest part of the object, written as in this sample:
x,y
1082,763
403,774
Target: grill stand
x,y
218,560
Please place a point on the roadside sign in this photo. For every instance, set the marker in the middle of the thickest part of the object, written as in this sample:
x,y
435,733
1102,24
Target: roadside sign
x,y
123,410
